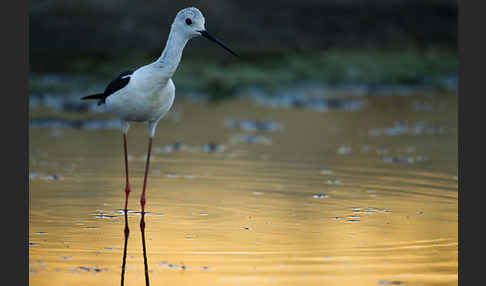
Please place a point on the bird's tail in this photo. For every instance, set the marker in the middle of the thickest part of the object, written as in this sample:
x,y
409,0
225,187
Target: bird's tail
x,y
100,96
93,96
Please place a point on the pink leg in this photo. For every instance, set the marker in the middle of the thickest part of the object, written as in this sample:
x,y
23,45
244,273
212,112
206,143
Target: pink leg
x,y
142,199
127,184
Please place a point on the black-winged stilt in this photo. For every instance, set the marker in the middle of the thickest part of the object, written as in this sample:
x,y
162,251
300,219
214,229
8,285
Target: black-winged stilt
x,y
147,93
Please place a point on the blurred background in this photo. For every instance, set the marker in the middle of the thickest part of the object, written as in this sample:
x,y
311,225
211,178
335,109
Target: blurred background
x,y
362,46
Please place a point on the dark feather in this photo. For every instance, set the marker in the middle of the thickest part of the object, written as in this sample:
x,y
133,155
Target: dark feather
x,y
114,86
100,96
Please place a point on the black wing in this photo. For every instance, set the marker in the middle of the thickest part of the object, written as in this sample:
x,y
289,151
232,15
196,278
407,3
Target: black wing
x,y
118,83
115,85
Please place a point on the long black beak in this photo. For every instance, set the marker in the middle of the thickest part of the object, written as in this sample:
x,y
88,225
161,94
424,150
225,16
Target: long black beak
x,y
209,37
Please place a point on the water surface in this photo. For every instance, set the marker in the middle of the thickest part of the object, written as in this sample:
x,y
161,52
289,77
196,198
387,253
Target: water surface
x,y
361,197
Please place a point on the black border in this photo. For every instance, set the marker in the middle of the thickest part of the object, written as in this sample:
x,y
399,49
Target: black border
x,y
471,89
15,148
15,74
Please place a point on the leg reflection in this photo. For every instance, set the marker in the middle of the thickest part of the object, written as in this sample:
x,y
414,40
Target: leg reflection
x,y
127,233
142,230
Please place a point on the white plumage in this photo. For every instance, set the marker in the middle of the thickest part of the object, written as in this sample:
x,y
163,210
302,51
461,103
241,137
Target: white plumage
x,y
150,93
147,94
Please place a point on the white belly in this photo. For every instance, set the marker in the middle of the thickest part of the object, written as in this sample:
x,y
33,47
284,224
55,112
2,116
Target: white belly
x,y
134,104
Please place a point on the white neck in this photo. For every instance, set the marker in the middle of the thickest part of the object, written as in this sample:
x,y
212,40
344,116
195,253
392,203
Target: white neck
x,y
172,54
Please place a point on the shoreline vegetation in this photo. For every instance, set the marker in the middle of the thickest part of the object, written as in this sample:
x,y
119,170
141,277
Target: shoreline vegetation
x,y
353,47
351,72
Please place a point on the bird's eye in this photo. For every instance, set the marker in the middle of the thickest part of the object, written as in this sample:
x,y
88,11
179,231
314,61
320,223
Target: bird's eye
x,y
188,21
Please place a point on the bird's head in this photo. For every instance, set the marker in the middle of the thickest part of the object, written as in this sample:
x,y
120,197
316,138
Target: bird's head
x,y
190,22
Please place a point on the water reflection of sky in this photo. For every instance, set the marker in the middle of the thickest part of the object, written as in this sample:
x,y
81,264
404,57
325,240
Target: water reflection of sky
x,y
321,204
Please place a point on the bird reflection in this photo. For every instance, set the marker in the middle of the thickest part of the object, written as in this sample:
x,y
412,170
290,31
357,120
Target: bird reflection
x,y
126,235
142,230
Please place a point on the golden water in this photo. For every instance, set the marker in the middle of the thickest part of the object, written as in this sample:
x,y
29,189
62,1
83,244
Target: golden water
x,y
249,215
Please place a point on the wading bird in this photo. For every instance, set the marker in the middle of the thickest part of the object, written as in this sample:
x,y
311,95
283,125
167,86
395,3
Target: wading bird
x,y
147,93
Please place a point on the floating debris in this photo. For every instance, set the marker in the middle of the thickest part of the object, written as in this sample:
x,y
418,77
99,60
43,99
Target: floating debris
x,y
258,193
33,244
382,210
308,98
90,269
422,106
88,124
334,181
254,125
105,216
320,196
326,172
190,236
213,147
205,268
101,214
343,150
250,139
388,282
180,267
401,128
178,146
66,258
368,211
409,160
41,233
172,266
54,177
246,227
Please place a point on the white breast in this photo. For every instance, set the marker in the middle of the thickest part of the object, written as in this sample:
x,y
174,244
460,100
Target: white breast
x,y
147,97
